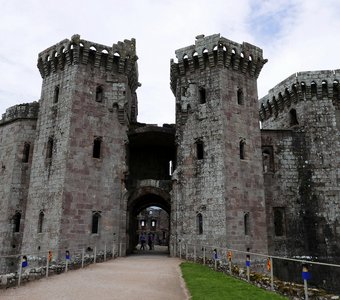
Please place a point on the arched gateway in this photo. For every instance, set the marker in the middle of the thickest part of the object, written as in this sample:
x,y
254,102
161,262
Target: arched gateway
x,y
151,155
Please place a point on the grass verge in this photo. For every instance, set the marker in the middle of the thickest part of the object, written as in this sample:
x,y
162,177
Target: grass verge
x,y
204,283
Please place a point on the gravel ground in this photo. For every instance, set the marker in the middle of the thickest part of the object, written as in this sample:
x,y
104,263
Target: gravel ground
x,y
148,277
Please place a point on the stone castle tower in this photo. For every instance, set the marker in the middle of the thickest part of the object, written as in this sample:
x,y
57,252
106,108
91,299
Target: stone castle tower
x,y
76,168
300,143
218,195
87,102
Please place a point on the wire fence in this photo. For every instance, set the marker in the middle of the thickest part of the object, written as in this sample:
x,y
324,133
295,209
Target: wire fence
x,y
257,267
29,267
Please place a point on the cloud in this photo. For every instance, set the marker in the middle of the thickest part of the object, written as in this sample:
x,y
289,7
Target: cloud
x,y
295,35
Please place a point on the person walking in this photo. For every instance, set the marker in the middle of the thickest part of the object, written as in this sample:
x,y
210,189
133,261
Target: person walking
x,y
142,240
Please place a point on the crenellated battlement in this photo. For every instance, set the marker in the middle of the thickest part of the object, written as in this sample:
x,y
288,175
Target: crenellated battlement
x,y
120,58
302,86
21,111
216,51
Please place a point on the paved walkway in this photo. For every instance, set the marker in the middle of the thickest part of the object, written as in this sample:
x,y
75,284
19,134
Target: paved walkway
x,y
148,277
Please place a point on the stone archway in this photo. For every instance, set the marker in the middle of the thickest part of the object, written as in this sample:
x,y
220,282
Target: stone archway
x,y
140,199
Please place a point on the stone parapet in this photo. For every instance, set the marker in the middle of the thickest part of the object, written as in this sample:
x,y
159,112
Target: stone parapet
x,y
120,58
21,111
301,86
216,51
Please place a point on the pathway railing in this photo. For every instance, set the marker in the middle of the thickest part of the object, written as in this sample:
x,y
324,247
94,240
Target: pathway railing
x,y
246,264
31,266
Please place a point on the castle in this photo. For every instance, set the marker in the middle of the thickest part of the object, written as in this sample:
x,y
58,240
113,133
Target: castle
x,y
76,168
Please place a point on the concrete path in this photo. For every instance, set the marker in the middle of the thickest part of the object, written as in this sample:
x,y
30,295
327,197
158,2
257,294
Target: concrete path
x,y
148,277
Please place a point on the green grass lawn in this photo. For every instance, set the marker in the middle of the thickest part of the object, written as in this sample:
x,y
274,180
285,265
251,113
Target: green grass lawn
x,y
204,283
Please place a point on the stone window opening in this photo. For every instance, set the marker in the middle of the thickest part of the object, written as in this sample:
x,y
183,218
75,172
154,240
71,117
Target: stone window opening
x,y
49,148
202,95
313,89
268,159
199,221
233,58
324,89
279,221
215,54
41,221
153,224
99,94
293,117
240,97
170,167
186,62
246,223
97,144
303,89
142,223
242,149
199,150
195,59
336,90
16,222
95,222
92,55
26,152
56,94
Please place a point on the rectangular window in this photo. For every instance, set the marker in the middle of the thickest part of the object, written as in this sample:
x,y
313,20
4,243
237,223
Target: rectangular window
x,y
56,94
26,153
49,148
246,223
242,150
199,221
268,159
202,96
279,221
16,222
97,143
199,150
95,222
40,222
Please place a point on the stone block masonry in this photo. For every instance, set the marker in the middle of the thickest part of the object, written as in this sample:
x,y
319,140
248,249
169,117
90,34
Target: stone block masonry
x,y
76,168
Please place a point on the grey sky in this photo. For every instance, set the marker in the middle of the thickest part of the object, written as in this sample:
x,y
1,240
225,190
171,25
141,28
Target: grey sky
x,y
294,35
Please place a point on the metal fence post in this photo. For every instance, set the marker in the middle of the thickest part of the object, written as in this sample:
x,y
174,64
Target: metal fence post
x,y
66,265
203,255
20,269
47,263
186,251
105,252
195,253
306,288
82,257
95,255
271,274
120,249
113,250
180,250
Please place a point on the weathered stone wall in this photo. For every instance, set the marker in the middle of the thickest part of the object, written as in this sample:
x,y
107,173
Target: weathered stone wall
x,y
17,129
307,103
95,98
220,185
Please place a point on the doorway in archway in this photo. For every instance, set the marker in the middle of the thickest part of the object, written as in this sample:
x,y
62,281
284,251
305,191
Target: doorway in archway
x,y
152,230
149,221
